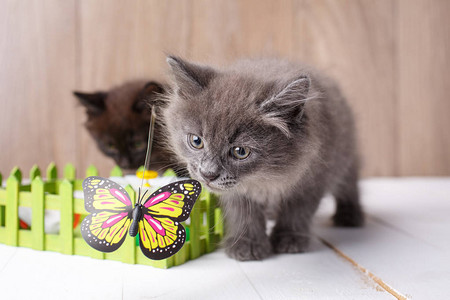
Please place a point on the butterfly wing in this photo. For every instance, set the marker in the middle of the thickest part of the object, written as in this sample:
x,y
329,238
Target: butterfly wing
x,y
102,194
110,206
160,231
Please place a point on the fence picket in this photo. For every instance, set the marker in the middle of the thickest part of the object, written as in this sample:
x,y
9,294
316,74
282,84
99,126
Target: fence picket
x,y
218,227
17,174
66,223
38,213
116,172
34,172
52,172
91,171
2,207
70,172
12,209
194,229
210,222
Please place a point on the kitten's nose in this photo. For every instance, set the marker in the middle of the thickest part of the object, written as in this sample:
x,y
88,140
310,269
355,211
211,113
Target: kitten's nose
x,y
209,176
123,162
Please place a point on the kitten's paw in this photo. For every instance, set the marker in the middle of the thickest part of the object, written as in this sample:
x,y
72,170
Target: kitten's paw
x,y
348,215
246,249
284,242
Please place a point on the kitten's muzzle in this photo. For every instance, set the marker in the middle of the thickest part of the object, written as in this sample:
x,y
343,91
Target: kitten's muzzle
x,y
209,176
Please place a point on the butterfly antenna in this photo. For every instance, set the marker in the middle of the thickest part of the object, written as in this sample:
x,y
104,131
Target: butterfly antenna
x,y
149,143
139,197
143,196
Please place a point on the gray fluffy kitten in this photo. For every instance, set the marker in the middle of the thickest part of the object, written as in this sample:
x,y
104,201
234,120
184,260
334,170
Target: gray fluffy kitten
x,y
271,137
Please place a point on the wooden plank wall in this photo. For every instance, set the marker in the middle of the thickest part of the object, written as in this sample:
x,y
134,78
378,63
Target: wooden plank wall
x,y
390,56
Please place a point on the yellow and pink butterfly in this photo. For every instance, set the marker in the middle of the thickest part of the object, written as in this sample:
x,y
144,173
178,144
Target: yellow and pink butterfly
x,y
157,218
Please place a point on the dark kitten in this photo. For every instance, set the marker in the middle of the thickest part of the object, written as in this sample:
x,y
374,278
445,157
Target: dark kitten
x,y
119,120
271,137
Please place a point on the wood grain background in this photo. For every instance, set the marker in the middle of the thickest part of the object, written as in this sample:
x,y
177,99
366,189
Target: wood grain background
x,y
391,58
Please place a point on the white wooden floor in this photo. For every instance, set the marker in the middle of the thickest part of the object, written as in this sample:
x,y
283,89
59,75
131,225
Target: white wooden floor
x,y
403,252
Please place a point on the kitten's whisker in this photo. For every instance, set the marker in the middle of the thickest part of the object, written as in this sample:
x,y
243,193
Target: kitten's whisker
x,y
220,221
168,165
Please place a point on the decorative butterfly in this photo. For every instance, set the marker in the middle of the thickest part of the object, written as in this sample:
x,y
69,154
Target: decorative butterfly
x,y
157,218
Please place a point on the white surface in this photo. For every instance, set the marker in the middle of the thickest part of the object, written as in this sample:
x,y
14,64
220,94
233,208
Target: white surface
x,y
405,243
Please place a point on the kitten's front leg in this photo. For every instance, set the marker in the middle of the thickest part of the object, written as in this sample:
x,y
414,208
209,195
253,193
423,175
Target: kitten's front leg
x,y
291,233
246,237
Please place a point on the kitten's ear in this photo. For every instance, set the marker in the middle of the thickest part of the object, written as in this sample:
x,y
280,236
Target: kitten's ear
x,y
287,105
147,97
94,102
190,78
152,87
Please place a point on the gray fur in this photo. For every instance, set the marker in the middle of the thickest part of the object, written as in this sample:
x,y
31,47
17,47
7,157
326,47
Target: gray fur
x,y
301,134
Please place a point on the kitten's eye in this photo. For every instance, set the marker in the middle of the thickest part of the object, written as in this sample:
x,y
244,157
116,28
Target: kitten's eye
x,y
140,145
195,141
112,147
240,152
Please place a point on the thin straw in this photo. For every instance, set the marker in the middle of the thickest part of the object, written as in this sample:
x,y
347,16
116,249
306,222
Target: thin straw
x,y
149,146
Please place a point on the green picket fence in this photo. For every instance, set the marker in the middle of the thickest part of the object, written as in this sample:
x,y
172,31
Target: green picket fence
x,y
53,193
